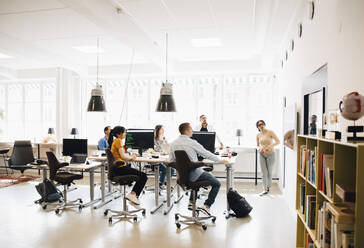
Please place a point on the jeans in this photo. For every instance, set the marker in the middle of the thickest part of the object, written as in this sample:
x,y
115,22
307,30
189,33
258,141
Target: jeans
x,y
127,170
163,172
266,163
215,184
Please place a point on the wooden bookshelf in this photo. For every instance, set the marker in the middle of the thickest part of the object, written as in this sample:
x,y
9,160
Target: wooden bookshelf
x,y
348,169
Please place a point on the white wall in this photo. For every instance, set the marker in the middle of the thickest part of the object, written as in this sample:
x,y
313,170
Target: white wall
x,y
335,36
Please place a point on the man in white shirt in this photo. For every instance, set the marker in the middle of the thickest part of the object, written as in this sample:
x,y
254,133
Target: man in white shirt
x,y
193,148
204,126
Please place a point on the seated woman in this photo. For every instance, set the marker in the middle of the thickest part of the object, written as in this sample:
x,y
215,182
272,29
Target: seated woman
x,y
120,167
160,144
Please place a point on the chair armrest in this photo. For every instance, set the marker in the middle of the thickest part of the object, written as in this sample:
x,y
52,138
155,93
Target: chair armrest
x,y
171,164
196,165
63,164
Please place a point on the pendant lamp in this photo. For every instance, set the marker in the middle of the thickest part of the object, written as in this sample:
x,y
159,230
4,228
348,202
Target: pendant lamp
x,y
97,102
166,101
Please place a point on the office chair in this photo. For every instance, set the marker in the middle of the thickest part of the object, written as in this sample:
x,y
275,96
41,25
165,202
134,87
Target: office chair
x,y
123,181
65,179
22,156
184,166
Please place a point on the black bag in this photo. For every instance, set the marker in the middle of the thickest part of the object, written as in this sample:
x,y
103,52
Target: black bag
x,y
238,204
48,191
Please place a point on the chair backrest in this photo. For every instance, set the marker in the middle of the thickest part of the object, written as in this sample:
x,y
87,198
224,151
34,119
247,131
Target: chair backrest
x,y
22,153
183,166
53,165
110,162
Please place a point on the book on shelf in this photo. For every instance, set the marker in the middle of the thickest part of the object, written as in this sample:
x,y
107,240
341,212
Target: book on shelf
x,y
309,242
311,211
302,198
347,238
308,164
326,174
345,192
339,229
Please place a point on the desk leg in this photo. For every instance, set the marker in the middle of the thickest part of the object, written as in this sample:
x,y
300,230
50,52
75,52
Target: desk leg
x,y
103,202
169,203
156,189
229,184
92,191
256,167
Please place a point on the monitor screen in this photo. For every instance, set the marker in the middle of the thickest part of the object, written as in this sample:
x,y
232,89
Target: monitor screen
x,y
206,139
139,138
71,146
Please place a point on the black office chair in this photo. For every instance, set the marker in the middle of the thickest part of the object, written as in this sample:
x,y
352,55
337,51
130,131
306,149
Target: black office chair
x,y
22,156
123,181
184,166
64,178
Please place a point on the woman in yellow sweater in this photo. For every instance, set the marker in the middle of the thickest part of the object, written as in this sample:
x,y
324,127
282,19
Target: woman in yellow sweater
x,y
120,167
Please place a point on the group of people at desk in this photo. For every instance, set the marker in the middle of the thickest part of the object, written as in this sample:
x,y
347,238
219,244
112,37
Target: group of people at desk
x,y
114,140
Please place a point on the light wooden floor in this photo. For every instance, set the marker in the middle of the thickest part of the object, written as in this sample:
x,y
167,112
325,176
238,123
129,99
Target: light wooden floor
x,y
24,224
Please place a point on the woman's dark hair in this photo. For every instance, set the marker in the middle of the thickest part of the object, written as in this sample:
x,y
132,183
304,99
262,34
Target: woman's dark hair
x,y
156,131
113,133
258,124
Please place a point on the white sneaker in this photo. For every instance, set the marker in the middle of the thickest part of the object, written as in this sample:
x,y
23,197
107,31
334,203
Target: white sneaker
x,y
205,209
265,192
133,198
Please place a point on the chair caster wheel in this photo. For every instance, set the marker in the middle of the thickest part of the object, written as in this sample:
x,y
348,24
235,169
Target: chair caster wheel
x,y
176,217
106,212
135,219
186,193
57,211
80,200
204,227
143,212
44,207
213,220
80,208
178,225
110,220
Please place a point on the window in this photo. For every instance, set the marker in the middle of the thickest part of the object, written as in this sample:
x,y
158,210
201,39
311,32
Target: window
x,y
28,109
230,103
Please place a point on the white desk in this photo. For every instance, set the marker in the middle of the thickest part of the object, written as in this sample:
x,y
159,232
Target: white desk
x,y
90,168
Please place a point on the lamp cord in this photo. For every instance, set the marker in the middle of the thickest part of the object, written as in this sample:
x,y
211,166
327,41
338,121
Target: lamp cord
x,y
166,57
127,84
97,62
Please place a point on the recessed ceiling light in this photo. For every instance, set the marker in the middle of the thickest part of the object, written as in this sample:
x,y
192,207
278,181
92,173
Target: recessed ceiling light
x,y
4,56
208,42
89,49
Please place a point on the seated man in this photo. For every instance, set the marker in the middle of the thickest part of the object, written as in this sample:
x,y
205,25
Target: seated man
x,y
193,148
102,145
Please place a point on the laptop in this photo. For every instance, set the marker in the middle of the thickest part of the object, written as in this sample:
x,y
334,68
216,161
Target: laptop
x,y
78,158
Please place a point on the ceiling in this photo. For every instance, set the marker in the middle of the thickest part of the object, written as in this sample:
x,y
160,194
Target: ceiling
x,y
43,33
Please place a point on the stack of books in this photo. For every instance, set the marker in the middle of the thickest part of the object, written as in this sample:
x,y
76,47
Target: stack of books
x,y
308,164
311,211
335,226
326,173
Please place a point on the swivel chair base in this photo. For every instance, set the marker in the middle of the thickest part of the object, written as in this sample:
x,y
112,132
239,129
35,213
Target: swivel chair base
x,y
67,204
124,214
194,219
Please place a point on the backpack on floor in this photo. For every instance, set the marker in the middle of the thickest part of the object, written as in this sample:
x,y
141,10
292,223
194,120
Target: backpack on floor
x,y
238,204
48,191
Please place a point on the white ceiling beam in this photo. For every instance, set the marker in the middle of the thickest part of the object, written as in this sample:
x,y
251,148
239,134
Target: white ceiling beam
x,y
8,73
25,49
120,25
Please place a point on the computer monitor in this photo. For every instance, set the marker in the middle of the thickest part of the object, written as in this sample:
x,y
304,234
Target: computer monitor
x,y
74,146
140,139
206,139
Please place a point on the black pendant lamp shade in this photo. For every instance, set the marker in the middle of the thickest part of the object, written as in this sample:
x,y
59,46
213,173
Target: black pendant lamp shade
x,y
166,101
97,102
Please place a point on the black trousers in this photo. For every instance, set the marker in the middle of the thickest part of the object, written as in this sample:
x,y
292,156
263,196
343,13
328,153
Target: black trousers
x,y
127,170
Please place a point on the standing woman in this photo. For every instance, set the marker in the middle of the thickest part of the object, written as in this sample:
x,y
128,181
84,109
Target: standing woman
x,y
120,167
266,141
160,143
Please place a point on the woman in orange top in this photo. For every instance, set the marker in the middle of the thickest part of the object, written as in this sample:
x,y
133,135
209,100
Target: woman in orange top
x,y
120,167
